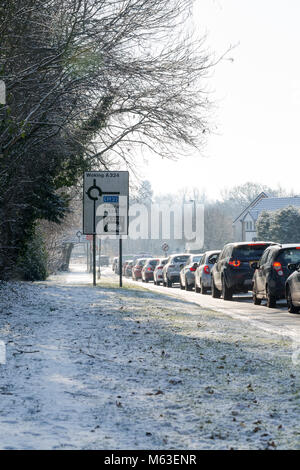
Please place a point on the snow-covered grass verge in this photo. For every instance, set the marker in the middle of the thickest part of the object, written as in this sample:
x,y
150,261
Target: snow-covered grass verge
x,y
109,368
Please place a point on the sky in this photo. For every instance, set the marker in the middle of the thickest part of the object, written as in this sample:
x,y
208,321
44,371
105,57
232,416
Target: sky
x,y
256,97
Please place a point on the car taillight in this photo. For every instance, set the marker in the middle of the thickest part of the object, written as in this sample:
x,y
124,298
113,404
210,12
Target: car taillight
x,y
278,268
206,269
171,265
149,269
193,269
236,263
159,267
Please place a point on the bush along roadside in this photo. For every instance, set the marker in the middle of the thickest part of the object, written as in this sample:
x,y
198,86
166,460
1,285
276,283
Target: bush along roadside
x,y
32,263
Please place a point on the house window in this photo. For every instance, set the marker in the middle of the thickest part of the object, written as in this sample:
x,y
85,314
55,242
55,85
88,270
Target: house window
x,y
249,226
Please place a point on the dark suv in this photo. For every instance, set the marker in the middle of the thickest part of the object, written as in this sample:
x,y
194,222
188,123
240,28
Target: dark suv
x,y
233,272
272,271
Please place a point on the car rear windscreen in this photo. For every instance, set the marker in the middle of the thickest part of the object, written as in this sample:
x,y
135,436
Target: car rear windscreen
x,y
248,252
180,259
196,259
213,258
153,262
289,255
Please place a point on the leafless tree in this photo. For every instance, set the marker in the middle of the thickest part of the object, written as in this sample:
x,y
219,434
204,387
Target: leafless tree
x,y
90,83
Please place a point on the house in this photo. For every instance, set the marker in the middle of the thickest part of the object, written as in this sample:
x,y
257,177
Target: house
x,y
244,225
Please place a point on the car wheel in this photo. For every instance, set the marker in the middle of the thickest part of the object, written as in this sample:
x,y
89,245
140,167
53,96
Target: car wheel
x,y
226,292
169,283
181,286
291,306
216,294
271,300
256,300
203,289
197,289
187,286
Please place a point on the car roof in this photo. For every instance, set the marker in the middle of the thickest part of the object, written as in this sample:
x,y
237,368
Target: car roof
x,y
212,252
180,254
289,245
262,242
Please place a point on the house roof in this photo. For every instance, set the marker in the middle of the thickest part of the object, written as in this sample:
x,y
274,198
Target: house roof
x,y
273,204
264,203
261,195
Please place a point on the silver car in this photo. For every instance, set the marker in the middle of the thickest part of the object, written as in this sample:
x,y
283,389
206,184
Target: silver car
x,y
187,273
171,270
157,275
203,272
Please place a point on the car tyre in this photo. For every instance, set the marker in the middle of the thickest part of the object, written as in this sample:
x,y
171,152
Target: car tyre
x,y
226,292
271,300
256,300
203,289
197,289
187,286
216,294
181,286
291,306
169,283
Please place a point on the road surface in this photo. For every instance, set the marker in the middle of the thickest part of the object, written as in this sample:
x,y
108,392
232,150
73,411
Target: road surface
x,y
275,320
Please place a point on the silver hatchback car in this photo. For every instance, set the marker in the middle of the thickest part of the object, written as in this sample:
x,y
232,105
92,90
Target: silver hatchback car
x,y
157,275
203,272
171,270
187,273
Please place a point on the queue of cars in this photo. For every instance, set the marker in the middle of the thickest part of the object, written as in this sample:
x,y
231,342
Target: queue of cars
x,y
270,270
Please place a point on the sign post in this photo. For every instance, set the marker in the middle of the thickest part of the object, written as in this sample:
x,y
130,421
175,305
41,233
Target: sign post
x,y
165,248
105,208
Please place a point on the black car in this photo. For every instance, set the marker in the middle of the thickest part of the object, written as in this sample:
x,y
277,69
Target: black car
x,y
233,271
272,271
292,288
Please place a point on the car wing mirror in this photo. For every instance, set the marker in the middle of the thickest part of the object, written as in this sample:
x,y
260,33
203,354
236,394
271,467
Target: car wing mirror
x,y
293,267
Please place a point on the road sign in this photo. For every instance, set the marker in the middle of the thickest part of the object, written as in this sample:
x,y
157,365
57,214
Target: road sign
x,y
165,247
105,202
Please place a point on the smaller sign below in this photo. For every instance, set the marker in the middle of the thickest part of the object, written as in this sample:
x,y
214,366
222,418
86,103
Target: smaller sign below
x,y
111,199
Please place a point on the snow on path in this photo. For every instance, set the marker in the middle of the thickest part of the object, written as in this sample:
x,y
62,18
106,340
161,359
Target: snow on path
x,y
105,368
